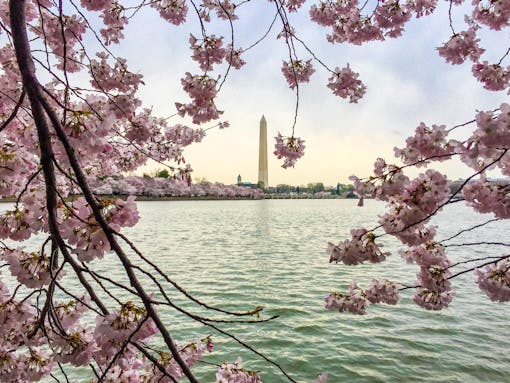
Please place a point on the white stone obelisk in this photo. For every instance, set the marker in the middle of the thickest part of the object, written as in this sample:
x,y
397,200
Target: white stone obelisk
x,y
263,176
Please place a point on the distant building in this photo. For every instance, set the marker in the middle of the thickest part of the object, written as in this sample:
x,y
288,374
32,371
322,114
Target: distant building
x,y
245,184
263,181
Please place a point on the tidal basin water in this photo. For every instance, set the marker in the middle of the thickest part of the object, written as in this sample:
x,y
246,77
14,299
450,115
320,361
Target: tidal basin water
x,y
241,254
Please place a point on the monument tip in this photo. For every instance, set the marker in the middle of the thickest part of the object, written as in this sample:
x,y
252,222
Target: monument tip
x,y
263,119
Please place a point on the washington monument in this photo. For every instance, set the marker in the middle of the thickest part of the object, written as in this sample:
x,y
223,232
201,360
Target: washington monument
x,y
263,176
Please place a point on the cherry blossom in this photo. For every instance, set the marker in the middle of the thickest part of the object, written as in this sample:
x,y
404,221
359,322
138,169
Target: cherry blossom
x,y
297,72
425,7
383,291
426,143
233,57
493,76
235,373
30,269
293,5
354,301
289,148
433,300
207,51
173,11
392,17
202,90
224,9
114,21
359,249
487,198
494,280
344,83
494,14
461,46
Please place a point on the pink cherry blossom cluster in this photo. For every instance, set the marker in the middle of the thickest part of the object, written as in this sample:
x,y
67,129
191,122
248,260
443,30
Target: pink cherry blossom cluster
x,y
94,5
233,372
426,7
346,22
434,292
107,78
293,5
433,300
391,17
361,248
356,301
493,76
29,367
429,254
15,166
207,51
225,10
461,46
114,21
112,330
173,11
411,203
21,358
494,280
344,83
30,269
202,90
426,143
383,291
388,182
289,148
25,219
71,343
488,141
297,71
183,135
82,231
417,202
70,312
494,14
233,57
488,198
74,27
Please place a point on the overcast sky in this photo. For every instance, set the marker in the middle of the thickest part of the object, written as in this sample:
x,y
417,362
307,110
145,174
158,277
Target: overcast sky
x,y
406,79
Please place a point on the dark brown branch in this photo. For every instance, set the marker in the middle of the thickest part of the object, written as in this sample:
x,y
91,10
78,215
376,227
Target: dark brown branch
x,y
479,266
14,111
121,350
154,361
256,310
469,229
481,243
189,314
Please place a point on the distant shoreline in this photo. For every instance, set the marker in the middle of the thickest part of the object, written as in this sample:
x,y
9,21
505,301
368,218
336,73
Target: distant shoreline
x,y
196,198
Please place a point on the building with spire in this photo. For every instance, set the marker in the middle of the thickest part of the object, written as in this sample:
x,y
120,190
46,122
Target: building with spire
x,y
263,181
